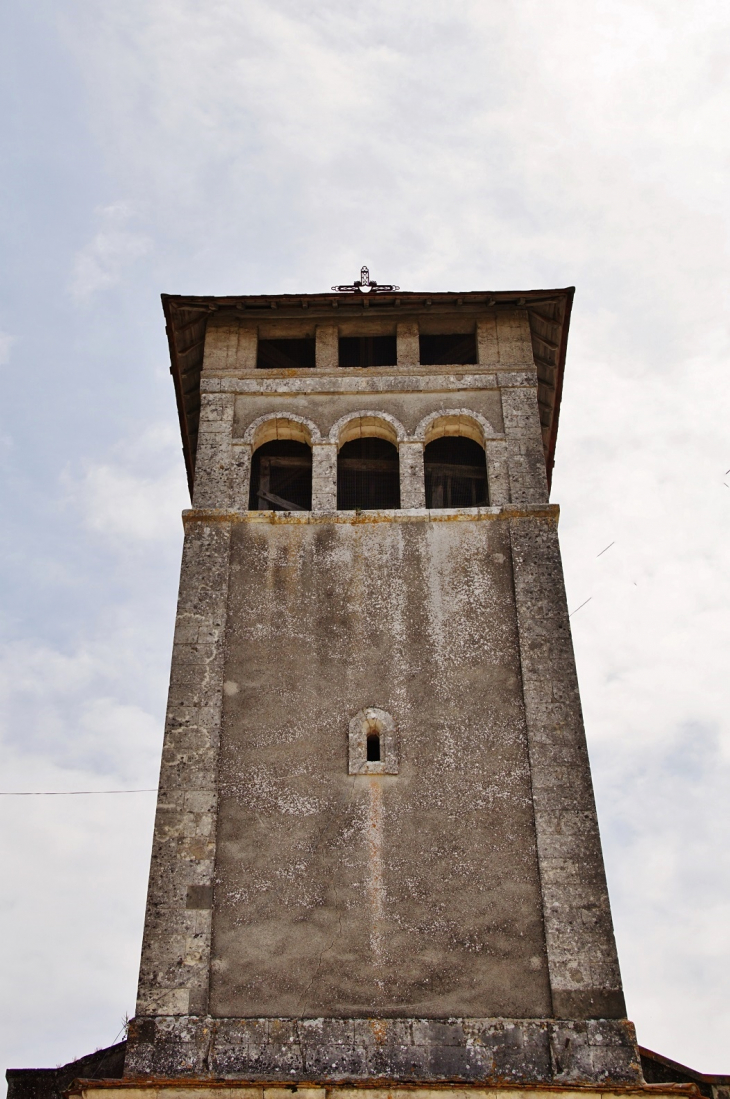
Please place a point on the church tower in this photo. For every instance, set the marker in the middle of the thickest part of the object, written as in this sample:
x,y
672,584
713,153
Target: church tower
x,y
376,854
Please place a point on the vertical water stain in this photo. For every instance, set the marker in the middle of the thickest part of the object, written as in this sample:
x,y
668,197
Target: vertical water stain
x,y
374,840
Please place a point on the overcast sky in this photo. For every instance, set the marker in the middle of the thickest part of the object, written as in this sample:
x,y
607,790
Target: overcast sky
x,y
246,146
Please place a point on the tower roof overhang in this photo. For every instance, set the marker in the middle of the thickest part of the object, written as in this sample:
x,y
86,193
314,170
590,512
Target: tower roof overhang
x,y
187,318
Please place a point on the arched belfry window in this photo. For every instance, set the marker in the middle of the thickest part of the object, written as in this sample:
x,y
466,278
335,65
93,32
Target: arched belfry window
x,y
456,473
368,475
281,477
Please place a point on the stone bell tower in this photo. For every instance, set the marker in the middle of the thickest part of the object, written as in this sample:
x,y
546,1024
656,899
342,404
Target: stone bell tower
x,y
376,854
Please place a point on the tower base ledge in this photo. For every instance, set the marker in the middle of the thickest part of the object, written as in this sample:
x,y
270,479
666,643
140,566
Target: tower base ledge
x,y
197,1088
398,1050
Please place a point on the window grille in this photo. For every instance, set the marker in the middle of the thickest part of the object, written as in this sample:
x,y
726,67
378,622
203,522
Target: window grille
x,y
456,473
281,477
368,475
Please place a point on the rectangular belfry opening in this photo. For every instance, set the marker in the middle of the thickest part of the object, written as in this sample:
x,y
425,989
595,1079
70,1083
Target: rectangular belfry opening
x,y
459,348
286,354
365,351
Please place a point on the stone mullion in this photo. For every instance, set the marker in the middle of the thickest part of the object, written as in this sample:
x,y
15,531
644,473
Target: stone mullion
x,y
582,959
407,343
327,347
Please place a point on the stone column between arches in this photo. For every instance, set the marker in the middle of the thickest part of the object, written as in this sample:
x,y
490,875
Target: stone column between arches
x,y
412,475
213,463
324,477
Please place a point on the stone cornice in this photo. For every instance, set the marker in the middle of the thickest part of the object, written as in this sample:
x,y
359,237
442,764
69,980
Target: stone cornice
x,y
415,380
550,512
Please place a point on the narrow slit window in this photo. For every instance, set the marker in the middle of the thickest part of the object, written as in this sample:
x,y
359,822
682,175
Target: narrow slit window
x,y
281,477
456,473
372,748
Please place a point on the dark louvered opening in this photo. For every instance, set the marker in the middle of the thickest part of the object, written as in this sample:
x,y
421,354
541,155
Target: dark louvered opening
x,y
448,350
281,477
368,351
285,354
367,475
456,473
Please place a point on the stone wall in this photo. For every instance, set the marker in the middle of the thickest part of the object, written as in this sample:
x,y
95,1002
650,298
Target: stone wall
x,y
411,894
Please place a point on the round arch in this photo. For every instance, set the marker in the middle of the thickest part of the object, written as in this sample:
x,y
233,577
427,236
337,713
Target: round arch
x,y
367,424
454,421
277,425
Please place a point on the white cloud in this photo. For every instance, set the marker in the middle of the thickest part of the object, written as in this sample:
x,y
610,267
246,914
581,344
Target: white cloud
x,y
74,711
86,713
640,463
118,503
74,898
137,494
6,342
112,249
74,866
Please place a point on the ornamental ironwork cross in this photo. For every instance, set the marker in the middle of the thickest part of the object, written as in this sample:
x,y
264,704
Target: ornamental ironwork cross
x,y
365,285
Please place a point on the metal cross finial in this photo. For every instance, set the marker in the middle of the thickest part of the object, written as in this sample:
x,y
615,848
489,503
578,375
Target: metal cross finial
x,y
365,285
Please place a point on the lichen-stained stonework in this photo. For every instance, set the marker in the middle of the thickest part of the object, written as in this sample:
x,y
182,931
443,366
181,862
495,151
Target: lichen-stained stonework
x,y
473,1051
411,894
174,973
584,971
441,915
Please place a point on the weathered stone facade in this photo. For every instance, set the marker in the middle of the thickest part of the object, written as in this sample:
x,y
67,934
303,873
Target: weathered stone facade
x,y
442,915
